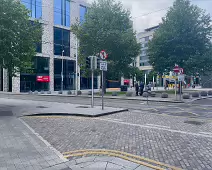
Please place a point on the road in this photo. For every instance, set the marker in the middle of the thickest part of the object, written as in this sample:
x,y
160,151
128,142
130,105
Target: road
x,y
176,134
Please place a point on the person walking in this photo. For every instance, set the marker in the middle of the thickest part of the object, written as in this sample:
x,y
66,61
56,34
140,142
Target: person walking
x,y
141,88
136,88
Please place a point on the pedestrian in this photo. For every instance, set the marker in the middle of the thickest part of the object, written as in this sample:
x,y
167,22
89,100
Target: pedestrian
x,y
141,88
136,88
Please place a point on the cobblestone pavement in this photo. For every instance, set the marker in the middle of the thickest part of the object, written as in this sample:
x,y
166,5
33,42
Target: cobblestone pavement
x,y
162,138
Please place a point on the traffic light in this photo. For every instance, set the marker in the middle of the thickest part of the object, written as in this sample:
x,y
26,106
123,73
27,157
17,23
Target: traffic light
x,y
88,63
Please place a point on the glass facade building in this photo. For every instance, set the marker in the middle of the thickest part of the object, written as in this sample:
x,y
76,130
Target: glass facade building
x,y
35,6
62,12
44,74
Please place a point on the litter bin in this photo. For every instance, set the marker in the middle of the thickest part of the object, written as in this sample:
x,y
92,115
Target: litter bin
x,y
123,88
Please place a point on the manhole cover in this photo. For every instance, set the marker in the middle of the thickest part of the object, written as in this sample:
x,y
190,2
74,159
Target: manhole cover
x,y
194,122
42,107
84,107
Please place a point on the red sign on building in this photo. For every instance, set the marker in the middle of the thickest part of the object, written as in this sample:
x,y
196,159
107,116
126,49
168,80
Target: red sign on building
x,y
43,79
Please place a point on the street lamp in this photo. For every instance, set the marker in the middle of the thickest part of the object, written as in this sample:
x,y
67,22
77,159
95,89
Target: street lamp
x,y
76,66
62,72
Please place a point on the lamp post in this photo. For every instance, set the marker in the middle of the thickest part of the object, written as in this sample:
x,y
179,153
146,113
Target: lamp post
x,y
62,72
76,66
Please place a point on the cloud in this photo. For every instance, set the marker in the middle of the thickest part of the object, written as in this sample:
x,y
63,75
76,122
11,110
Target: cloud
x,y
148,13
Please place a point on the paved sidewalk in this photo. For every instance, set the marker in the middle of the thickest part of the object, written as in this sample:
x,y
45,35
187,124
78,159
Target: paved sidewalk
x,y
21,149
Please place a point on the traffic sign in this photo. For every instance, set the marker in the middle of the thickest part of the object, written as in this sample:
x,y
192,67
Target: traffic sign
x,y
103,65
181,77
103,54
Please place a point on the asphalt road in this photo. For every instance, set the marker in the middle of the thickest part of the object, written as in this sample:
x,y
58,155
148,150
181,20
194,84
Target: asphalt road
x,y
198,109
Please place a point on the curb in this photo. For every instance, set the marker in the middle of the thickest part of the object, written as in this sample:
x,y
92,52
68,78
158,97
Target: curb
x,y
193,100
74,114
88,96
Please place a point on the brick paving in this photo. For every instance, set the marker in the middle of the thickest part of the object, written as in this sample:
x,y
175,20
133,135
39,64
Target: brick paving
x,y
177,144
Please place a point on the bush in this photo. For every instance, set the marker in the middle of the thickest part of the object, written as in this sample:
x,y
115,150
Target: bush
x,y
164,95
79,92
203,93
145,94
42,92
129,94
195,94
210,92
69,92
186,96
114,94
60,92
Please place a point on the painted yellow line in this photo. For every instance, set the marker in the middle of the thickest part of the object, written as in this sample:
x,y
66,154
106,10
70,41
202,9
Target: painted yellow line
x,y
121,153
115,155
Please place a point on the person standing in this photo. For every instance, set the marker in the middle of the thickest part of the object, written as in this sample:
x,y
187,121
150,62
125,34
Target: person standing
x,y
136,88
141,88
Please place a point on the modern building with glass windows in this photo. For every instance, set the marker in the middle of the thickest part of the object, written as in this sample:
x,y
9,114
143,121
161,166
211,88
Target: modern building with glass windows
x,y
143,60
57,50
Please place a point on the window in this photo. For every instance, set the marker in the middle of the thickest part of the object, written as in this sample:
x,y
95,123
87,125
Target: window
x,y
83,11
35,6
143,52
62,12
61,42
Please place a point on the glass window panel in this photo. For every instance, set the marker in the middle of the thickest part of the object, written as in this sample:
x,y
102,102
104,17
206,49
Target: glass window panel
x,y
57,18
66,51
82,13
33,9
57,36
27,4
67,13
57,49
38,12
66,38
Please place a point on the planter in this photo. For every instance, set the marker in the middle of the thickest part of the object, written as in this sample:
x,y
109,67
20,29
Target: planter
x,y
145,94
164,95
114,94
195,94
129,94
69,92
203,93
186,96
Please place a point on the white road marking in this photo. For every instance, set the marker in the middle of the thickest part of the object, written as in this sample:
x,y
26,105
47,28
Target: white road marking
x,y
205,133
157,128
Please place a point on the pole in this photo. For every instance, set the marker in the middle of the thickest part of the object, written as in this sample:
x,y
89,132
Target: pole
x,y
180,84
92,99
76,67
153,79
62,72
175,88
102,90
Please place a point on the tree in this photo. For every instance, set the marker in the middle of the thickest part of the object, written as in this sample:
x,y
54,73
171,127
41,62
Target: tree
x,y
183,38
18,36
107,27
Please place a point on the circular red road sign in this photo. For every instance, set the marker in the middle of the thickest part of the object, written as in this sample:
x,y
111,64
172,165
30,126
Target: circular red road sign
x,y
103,54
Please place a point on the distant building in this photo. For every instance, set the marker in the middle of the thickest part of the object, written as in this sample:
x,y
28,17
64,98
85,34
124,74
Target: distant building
x,y
143,59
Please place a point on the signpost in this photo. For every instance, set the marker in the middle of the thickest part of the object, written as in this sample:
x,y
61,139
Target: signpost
x,y
180,72
103,67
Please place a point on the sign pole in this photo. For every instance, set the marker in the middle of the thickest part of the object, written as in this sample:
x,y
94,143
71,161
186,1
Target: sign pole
x,y
92,99
102,90
176,86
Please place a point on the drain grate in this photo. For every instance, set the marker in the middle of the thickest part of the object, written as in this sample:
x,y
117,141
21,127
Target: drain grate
x,y
83,107
42,107
194,122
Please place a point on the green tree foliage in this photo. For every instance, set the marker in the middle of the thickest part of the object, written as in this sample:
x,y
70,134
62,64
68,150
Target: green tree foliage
x,y
184,38
107,27
18,36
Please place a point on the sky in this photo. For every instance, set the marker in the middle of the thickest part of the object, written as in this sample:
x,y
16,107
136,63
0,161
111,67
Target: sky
x,y
148,13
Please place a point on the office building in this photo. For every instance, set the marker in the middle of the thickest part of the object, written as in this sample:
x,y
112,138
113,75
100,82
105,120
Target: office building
x,y
58,46
143,60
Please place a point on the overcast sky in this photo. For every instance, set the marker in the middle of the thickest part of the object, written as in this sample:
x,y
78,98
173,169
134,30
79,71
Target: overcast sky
x,y
145,7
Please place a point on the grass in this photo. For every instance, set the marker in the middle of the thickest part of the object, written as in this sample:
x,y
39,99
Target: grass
x,y
119,93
